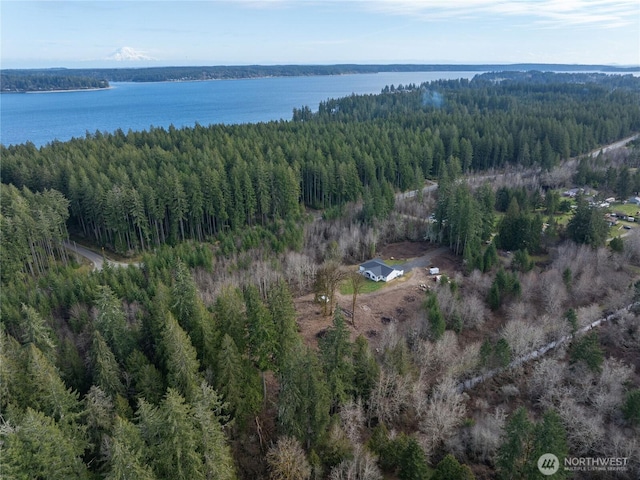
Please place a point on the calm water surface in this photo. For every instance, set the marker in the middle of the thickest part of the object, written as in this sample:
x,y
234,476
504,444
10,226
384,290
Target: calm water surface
x,y
43,117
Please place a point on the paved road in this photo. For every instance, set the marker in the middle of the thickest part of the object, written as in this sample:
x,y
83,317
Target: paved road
x,y
96,259
615,145
412,193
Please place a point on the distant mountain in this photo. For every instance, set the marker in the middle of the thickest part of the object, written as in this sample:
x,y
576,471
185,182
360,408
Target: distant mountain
x,y
128,54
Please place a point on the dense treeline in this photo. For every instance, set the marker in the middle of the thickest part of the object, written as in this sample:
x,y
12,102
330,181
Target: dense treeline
x,y
123,389
538,77
134,190
33,226
220,72
43,82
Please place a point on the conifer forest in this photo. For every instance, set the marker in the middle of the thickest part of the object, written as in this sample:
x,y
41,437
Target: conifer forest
x,y
187,354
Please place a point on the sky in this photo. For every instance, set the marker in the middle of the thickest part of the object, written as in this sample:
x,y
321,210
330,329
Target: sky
x,y
38,34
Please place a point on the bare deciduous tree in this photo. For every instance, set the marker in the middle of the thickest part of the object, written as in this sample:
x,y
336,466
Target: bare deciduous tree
x,y
589,314
545,383
363,466
328,278
287,460
553,293
445,412
356,281
523,337
609,392
485,436
390,396
352,418
445,357
479,283
585,429
473,311
299,271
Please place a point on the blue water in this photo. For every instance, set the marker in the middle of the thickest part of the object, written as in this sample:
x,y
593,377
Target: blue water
x,y
43,117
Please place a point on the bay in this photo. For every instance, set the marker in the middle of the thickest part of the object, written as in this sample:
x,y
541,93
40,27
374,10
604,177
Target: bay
x,y
41,118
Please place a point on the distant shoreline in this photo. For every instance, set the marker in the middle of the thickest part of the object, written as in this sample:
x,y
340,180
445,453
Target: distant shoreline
x,y
17,77
65,91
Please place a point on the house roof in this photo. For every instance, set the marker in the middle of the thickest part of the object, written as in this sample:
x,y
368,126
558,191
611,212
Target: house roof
x,y
378,267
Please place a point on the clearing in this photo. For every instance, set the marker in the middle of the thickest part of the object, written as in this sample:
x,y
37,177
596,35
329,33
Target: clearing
x,y
398,301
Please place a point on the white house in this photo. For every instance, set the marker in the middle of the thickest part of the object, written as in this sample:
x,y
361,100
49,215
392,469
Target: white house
x,y
377,271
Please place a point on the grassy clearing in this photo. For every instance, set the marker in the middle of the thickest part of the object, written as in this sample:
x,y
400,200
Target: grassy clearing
x,y
370,286
396,261
627,208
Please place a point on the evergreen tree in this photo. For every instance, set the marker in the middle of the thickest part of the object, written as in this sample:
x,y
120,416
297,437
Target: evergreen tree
x,y
170,434
237,381
365,369
550,436
490,257
335,353
181,360
524,442
35,330
304,399
262,332
283,314
587,349
587,225
436,318
218,461
127,453
105,368
616,244
99,416
184,297
450,469
521,261
514,461
111,322
631,407
414,463
148,382
38,448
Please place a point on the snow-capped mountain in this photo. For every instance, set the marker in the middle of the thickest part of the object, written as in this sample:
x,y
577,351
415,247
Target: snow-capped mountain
x,y
128,54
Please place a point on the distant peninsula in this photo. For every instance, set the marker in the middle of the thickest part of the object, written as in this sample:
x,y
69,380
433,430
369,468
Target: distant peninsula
x,y
29,81
42,80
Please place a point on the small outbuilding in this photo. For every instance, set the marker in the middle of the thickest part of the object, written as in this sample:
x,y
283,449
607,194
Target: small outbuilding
x,y
378,271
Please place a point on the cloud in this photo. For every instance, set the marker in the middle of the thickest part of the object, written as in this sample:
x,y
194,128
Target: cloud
x,y
128,54
604,13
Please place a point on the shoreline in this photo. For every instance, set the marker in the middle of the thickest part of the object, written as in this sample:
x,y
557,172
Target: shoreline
x,y
95,89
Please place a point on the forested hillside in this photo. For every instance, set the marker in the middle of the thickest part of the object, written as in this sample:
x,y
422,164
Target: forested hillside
x,y
196,361
135,190
39,79
34,82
